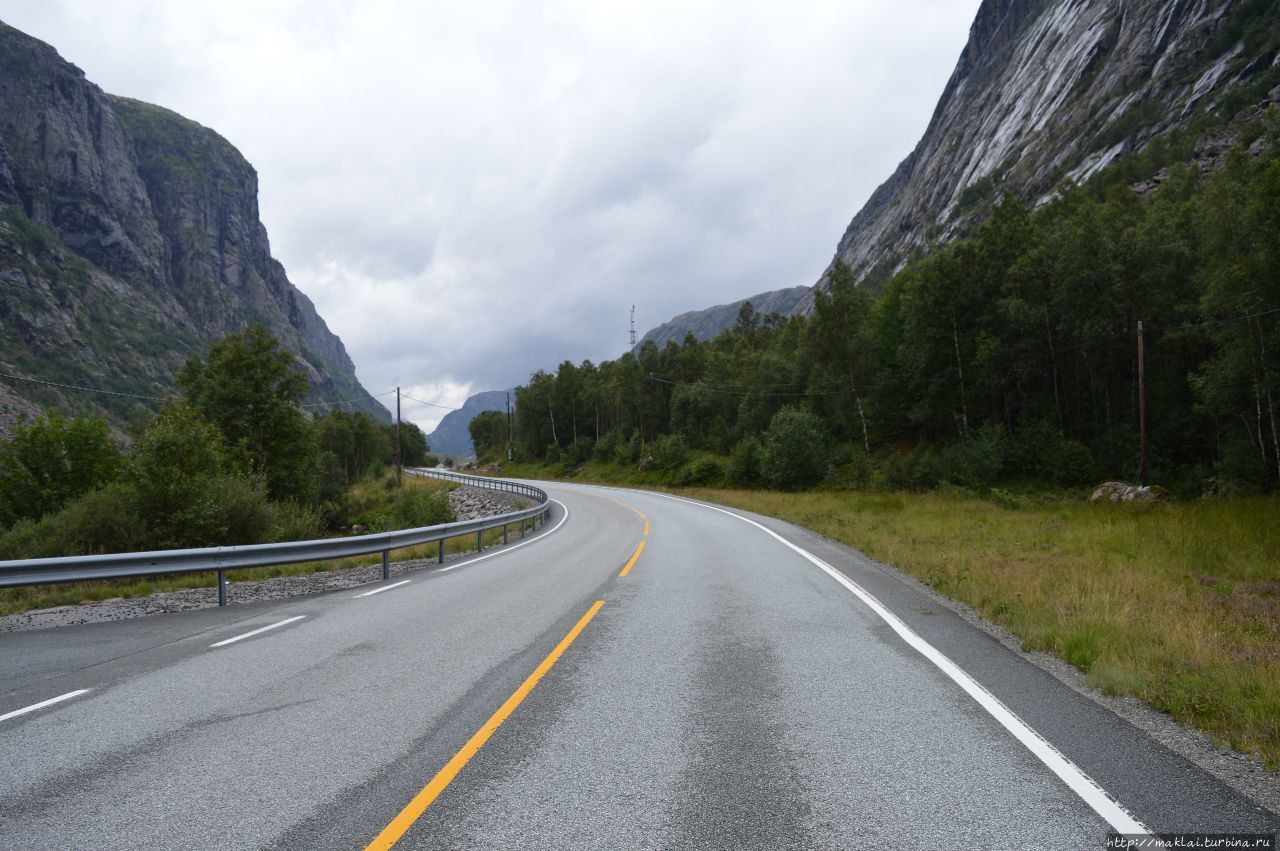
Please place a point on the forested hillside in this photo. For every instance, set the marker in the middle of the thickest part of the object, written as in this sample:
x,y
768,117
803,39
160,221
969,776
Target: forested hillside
x,y
1009,356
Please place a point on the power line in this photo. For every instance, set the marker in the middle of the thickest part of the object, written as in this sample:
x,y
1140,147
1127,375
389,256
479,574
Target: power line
x,y
345,401
83,389
429,404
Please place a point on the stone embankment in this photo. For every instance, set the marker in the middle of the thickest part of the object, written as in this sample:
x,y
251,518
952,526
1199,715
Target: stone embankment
x,y
468,503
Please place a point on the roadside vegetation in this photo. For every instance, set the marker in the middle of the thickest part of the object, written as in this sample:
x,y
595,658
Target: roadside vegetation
x,y
232,460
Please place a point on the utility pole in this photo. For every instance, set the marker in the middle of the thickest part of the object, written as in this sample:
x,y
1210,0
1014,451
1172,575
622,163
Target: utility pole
x,y
399,456
633,326
1142,410
509,433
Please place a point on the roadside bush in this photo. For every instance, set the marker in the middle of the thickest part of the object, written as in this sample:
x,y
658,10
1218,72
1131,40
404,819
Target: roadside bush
x,y
744,463
416,507
669,452
101,521
796,450
606,448
579,452
707,470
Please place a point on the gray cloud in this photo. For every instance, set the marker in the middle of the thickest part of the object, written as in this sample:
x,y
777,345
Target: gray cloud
x,y
472,192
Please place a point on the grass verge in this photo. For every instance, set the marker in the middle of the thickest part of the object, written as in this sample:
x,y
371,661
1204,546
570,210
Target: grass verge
x,y
1177,604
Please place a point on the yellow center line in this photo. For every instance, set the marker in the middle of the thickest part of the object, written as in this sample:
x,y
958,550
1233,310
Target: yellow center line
x,y
415,808
642,517
631,563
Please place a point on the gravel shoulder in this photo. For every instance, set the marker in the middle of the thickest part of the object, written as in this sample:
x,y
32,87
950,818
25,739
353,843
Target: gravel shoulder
x,y
468,503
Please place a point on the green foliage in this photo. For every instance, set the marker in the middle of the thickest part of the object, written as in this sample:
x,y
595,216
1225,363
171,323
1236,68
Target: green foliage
x,y
176,488
247,388
797,450
669,452
52,461
705,470
489,435
414,451
349,447
745,462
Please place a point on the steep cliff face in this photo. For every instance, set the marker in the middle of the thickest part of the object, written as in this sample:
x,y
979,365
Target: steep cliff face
x,y
129,239
1048,91
1054,91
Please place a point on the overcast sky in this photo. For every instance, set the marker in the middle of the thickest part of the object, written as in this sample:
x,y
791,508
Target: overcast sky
x,y
472,191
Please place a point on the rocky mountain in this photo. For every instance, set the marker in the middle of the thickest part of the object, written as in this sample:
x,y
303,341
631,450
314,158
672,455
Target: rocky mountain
x,y
451,436
705,324
1049,92
129,239
1053,91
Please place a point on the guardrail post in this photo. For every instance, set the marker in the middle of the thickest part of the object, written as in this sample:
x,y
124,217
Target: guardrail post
x,y
442,551
480,541
504,534
386,564
222,587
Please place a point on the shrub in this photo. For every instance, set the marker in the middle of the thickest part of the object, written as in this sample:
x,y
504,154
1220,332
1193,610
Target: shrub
x,y
744,463
416,507
796,450
701,471
669,452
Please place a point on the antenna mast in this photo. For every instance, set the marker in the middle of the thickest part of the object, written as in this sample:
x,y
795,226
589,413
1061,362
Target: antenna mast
x,y
633,326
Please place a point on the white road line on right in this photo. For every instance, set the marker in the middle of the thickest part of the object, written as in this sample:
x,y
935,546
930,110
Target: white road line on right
x,y
1082,784
42,704
257,631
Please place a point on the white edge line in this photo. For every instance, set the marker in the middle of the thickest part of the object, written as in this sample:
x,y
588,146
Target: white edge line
x,y
1079,782
257,631
42,704
383,588
509,548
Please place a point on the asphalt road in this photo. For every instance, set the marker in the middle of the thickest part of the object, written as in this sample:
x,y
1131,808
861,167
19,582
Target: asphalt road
x,y
743,685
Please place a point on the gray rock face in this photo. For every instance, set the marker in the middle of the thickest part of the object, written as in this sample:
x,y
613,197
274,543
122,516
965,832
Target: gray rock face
x,y
1046,91
130,239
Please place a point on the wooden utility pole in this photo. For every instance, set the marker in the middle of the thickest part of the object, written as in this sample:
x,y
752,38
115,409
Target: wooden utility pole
x,y
399,456
1142,410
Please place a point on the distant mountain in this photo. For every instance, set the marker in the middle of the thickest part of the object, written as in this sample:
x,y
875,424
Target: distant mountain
x,y
129,240
705,324
1049,92
451,436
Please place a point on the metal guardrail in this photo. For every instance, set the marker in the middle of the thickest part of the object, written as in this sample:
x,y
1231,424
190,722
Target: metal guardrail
x,y
43,571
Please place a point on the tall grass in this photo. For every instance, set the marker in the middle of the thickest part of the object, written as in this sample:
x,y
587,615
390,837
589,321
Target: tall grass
x,y
1175,604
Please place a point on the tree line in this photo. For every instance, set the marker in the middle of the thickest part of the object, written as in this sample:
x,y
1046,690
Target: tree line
x,y
1011,355
232,460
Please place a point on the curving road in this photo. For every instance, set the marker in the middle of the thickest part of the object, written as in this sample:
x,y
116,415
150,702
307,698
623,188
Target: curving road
x,y
646,672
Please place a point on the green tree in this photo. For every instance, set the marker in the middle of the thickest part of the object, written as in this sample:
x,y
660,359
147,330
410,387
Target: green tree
x,y
489,435
52,461
188,488
248,388
797,450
